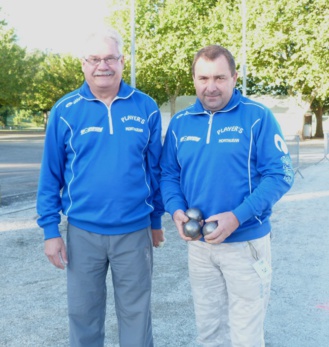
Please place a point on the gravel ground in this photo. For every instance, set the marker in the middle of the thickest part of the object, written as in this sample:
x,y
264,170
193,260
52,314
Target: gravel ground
x,y
33,292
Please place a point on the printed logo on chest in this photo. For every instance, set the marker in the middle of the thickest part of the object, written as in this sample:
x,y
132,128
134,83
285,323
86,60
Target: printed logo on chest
x,y
134,119
190,138
91,129
229,134
233,128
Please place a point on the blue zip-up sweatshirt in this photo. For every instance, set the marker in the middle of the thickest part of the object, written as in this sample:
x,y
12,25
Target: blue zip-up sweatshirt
x,y
100,165
231,160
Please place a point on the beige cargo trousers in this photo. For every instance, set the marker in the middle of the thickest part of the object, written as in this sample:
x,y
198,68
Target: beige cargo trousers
x,y
231,287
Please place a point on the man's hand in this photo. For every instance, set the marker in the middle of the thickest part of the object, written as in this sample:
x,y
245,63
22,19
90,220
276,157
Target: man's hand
x,y
180,218
157,237
227,223
55,250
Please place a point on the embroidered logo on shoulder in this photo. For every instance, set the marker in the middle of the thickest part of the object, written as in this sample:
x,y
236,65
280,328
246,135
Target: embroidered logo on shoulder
x,y
190,138
91,129
73,102
280,144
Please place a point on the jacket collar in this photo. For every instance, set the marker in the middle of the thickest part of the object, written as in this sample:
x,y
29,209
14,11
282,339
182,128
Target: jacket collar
x,y
125,91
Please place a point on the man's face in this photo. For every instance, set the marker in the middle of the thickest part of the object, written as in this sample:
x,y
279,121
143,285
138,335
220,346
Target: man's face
x,y
104,76
213,83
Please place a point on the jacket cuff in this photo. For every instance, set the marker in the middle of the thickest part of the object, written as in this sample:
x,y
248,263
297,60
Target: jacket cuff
x,y
51,231
156,223
243,213
174,207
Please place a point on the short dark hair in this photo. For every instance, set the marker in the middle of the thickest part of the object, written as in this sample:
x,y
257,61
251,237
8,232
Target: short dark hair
x,y
212,52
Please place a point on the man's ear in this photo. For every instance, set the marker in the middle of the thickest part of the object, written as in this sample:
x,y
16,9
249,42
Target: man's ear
x,y
235,77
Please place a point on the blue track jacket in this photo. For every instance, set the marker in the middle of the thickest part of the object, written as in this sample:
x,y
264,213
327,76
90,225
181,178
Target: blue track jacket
x,y
231,160
100,165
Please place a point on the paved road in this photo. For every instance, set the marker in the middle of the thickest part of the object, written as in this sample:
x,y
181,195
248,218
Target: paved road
x,y
20,158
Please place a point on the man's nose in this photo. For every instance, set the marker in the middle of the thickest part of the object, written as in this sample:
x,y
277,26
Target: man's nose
x,y
211,85
102,64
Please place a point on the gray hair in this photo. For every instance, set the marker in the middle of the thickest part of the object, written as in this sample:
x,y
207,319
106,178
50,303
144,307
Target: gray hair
x,y
102,35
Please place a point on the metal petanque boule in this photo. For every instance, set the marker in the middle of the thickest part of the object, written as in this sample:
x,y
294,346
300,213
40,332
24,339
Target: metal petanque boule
x,y
208,228
192,229
194,213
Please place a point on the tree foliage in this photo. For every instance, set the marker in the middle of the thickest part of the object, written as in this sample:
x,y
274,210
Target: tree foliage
x,y
287,51
288,47
57,75
13,73
33,80
12,67
168,34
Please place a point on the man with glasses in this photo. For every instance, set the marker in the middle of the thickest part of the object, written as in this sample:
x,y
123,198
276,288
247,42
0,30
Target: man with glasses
x,y
101,169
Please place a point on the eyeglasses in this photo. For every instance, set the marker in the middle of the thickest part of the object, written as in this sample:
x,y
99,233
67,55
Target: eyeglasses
x,y
108,60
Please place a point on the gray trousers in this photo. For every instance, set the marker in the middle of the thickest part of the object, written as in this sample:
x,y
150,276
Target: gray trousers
x,y
130,257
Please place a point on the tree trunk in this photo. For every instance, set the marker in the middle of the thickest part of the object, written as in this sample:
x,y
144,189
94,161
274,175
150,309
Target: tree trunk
x,y
319,126
45,119
6,116
172,101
